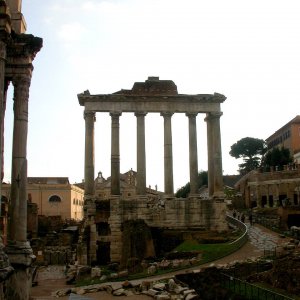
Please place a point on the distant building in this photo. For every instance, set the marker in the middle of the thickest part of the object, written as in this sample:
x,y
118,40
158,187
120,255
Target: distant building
x,y
288,137
54,196
277,188
128,186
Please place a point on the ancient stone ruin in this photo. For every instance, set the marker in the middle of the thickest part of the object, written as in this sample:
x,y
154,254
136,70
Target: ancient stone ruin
x,y
17,52
106,218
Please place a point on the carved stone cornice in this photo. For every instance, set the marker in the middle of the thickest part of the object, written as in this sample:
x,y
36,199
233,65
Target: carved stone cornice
x,y
24,45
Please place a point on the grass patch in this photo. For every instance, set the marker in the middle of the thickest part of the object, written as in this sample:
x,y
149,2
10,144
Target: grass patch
x,y
209,252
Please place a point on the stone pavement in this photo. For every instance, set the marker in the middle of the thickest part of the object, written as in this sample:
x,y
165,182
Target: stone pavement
x,y
263,239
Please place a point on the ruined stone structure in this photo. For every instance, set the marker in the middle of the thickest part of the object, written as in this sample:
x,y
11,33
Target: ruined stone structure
x,y
17,51
277,191
128,187
271,189
105,217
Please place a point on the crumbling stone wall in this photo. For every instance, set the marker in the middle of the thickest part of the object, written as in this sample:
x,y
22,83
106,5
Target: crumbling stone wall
x,y
176,214
137,241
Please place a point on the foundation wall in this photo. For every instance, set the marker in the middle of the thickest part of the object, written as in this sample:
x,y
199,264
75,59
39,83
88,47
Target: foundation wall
x,y
175,213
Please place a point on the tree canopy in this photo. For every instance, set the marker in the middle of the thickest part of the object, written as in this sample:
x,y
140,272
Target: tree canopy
x,y
277,157
251,150
184,191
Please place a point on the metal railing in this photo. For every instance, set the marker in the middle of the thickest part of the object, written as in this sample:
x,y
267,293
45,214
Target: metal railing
x,y
248,290
242,240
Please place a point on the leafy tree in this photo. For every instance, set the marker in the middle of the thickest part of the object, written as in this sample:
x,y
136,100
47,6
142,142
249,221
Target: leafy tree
x,y
251,150
277,157
184,191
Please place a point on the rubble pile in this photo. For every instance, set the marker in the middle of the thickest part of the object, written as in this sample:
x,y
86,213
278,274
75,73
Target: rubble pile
x,y
284,275
160,290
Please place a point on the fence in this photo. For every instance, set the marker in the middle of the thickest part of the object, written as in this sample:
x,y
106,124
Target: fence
x,y
248,290
244,237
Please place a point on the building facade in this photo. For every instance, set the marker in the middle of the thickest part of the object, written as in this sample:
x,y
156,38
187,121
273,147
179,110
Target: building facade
x,y
54,196
288,136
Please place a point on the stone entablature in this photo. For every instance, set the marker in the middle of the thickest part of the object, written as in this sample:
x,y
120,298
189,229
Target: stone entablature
x,y
148,103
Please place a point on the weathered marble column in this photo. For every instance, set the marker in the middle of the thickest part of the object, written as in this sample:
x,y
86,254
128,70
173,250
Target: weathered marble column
x,y
217,155
193,153
168,154
18,249
115,153
18,213
89,161
210,157
141,153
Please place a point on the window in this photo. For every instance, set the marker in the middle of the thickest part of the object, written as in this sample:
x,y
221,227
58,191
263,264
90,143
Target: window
x,y
54,198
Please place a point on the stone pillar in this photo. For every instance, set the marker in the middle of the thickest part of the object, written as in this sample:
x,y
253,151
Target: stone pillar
x,y
141,153
18,249
18,228
115,153
193,153
217,156
168,154
210,157
89,162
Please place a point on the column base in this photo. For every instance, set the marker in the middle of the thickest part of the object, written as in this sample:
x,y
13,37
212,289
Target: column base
x,y
19,283
169,197
20,253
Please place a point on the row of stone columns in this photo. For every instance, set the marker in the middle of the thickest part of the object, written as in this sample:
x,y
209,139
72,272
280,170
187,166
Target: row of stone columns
x,y
214,154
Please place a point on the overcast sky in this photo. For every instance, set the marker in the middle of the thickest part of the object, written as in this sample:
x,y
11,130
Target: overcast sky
x,y
247,50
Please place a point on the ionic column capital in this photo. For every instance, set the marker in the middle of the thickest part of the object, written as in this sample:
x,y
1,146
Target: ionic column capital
x,y
115,114
191,114
22,78
140,114
213,115
89,114
166,114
